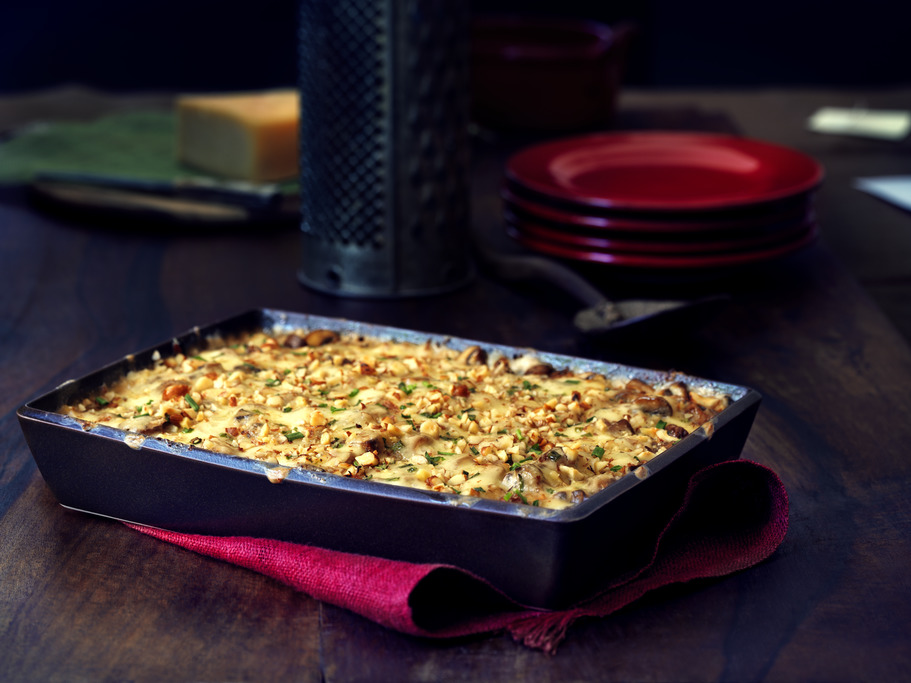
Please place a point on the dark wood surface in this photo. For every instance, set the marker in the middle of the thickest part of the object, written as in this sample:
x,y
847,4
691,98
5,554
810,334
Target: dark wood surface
x,y
83,598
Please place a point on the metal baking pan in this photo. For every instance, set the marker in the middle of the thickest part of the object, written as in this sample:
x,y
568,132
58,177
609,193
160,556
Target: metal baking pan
x,y
538,557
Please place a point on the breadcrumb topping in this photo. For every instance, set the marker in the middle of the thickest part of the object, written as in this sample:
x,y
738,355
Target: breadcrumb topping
x,y
419,415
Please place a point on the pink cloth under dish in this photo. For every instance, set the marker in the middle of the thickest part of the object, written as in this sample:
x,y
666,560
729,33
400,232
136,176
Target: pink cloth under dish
x,y
712,534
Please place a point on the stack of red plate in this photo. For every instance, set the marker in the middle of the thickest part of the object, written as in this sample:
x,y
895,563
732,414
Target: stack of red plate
x,y
661,200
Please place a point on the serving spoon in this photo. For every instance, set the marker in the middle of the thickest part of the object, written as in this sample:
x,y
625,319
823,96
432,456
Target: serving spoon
x,y
599,314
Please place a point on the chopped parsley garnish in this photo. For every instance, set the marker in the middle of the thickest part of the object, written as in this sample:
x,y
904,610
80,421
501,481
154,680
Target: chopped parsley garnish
x,y
510,494
597,452
407,388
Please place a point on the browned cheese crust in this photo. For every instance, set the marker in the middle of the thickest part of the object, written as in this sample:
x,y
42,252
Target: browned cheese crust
x,y
419,415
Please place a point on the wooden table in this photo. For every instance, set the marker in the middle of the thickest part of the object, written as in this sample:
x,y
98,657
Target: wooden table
x,y
83,598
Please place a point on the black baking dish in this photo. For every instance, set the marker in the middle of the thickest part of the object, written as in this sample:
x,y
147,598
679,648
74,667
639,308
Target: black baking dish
x,y
539,557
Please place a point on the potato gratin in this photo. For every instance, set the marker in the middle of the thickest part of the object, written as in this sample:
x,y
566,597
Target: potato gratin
x,y
418,415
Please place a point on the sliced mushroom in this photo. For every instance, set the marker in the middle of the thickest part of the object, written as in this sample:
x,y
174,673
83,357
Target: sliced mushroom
x,y
678,389
638,386
676,431
320,337
654,405
574,497
694,413
621,427
473,355
295,341
557,455
413,442
500,366
366,442
528,477
543,369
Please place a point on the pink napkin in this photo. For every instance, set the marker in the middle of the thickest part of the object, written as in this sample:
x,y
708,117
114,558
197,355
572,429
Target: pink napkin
x,y
733,515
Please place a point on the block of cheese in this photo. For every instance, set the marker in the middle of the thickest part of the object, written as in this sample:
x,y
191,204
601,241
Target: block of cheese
x,y
244,136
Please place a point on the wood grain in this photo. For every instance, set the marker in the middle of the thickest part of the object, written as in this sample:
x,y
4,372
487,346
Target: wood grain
x,y
84,598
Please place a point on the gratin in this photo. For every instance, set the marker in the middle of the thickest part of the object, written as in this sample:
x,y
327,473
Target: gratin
x,y
419,415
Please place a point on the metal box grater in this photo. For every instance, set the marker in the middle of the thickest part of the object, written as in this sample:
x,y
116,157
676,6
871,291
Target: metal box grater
x,y
384,146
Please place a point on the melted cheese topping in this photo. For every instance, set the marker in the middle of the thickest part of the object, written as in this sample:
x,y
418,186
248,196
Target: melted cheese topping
x,y
418,415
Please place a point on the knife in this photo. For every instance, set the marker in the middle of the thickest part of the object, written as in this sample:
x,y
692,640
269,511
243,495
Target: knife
x,y
257,197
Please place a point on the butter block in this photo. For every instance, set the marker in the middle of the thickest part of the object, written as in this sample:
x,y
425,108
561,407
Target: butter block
x,y
244,136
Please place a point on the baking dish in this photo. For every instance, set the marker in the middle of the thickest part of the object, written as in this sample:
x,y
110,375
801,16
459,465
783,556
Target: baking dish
x,y
538,557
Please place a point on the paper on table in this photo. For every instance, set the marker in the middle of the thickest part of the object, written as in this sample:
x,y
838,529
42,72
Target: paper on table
x,y
873,123
894,189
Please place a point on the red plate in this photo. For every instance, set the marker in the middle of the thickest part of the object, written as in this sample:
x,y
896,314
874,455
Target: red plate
x,y
663,171
692,243
665,222
666,261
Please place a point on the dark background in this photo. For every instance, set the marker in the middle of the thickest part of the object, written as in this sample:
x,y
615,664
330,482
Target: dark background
x,y
211,44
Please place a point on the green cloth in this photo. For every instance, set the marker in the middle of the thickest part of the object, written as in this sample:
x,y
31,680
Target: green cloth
x,y
135,144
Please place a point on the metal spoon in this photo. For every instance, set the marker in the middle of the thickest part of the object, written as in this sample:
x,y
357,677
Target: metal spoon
x,y
600,314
